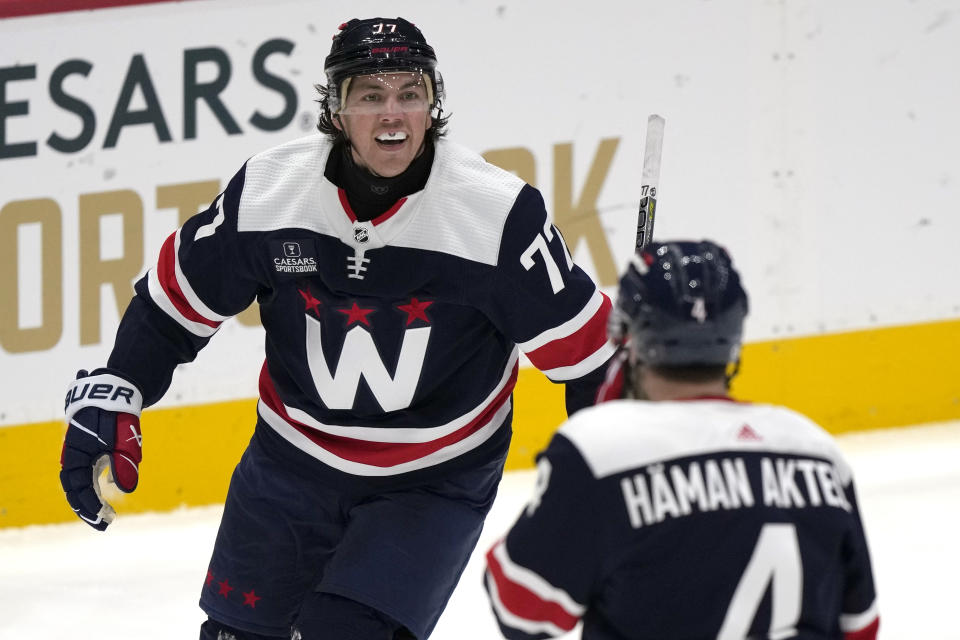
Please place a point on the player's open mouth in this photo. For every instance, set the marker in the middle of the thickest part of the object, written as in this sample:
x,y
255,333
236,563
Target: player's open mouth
x,y
391,139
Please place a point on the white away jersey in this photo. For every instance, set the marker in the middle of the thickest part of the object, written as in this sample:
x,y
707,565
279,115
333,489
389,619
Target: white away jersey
x,y
391,345
700,519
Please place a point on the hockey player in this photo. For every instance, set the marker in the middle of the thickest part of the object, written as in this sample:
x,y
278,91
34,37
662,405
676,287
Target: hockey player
x,y
398,277
681,513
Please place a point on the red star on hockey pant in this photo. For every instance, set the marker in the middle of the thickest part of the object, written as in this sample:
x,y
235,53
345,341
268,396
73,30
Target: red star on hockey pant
x,y
209,579
312,303
225,589
416,310
250,598
356,314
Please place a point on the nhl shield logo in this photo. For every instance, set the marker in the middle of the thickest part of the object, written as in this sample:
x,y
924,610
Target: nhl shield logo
x,y
360,234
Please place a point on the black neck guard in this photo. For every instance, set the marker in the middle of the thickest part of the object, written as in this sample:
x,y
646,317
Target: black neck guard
x,y
371,195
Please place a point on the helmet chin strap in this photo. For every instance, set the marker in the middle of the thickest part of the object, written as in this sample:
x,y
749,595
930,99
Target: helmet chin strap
x,y
733,368
635,390
631,379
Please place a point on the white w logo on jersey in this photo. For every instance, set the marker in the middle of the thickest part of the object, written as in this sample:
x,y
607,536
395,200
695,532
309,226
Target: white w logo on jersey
x,y
360,357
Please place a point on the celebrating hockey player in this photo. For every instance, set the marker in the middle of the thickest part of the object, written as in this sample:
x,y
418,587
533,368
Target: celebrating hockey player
x,y
680,513
398,276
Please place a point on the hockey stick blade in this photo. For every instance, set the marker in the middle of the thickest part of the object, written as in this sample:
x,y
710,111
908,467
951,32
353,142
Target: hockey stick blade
x,y
649,179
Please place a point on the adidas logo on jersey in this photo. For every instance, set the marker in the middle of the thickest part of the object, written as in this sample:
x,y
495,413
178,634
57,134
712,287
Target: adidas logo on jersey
x,y
746,433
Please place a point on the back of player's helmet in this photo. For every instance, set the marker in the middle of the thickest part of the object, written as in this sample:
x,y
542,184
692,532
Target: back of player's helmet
x,y
681,304
379,45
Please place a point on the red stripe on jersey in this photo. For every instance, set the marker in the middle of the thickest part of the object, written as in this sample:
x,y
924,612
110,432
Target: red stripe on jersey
x,y
167,276
524,603
386,215
570,350
381,454
346,205
869,632
383,217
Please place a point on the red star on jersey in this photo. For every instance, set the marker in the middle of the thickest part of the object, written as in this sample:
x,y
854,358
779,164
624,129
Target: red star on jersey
x,y
311,302
250,598
209,579
225,589
416,310
356,314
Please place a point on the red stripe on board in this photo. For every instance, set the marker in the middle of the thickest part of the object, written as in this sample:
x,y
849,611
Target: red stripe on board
x,y
166,274
571,350
380,454
19,8
524,603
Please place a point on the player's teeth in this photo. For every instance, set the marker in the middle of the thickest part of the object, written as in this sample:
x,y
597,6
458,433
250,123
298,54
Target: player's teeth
x,y
393,135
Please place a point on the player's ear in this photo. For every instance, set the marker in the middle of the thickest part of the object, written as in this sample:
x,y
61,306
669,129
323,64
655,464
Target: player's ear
x,y
336,122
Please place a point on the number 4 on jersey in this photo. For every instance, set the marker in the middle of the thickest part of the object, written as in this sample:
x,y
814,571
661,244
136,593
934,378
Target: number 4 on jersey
x,y
775,564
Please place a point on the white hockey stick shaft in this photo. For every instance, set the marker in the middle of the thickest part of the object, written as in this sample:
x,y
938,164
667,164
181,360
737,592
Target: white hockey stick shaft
x,y
649,180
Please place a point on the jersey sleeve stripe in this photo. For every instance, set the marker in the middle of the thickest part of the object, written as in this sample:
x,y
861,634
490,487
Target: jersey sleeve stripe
x,y
159,296
530,603
570,349
585,366
857,626
373,458
167,269
169,296
867,633
571,326
535,583
509,619
188,293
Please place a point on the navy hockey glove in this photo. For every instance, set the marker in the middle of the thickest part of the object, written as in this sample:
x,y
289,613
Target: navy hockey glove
x,y
103,429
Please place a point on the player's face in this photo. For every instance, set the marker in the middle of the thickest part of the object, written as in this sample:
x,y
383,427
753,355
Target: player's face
x,y
385,116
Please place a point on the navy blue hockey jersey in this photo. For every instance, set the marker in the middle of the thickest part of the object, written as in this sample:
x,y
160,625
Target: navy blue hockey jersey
x,y
391,345
697,519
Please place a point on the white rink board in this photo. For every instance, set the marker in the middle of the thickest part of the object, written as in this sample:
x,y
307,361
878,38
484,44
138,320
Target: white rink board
x,y
816,140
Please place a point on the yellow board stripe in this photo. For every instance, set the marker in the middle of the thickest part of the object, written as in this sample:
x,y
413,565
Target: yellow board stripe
x,y
860,379
847,381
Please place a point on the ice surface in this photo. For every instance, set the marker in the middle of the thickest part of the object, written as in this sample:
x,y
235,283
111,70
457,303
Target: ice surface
x,y
143,577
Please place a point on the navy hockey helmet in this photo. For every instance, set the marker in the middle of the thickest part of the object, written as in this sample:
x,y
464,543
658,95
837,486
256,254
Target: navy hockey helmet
x,y
378,45
680,303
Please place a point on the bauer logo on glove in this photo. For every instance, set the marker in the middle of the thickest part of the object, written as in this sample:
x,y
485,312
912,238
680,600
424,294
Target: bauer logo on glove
x,y
103,431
